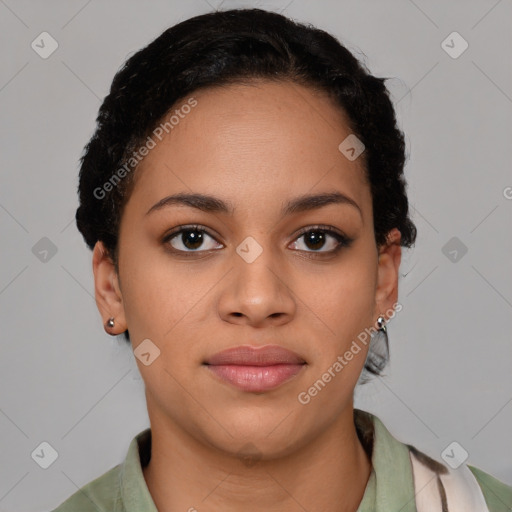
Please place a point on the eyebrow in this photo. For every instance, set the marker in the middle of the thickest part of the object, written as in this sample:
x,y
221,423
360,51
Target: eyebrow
x,y
211,204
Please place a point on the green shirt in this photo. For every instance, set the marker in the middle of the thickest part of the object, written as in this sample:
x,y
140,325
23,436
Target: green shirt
x,y
390,487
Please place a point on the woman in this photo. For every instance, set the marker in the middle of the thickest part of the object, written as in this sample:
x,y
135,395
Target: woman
x,y
245,202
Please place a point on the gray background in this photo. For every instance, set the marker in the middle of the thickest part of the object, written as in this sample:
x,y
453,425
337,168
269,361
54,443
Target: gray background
x,y
66,382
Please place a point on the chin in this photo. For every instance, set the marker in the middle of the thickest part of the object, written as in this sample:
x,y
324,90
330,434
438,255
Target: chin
x,y
271,432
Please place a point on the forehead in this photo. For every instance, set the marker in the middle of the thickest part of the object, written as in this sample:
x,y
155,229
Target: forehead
x,y
271,138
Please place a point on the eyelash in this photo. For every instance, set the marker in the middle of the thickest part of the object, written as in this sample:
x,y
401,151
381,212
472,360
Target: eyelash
x,y
343,240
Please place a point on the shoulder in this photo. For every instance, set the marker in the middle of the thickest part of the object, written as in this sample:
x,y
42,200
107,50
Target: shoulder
x,y
464,487
435,484
102,493
122,485
497,494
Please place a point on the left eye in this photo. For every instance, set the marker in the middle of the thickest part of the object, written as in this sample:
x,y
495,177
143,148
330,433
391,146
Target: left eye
x,y
317,238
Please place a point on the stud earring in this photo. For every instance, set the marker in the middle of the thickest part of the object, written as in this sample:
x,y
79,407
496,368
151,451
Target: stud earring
x,y
381,321
110,322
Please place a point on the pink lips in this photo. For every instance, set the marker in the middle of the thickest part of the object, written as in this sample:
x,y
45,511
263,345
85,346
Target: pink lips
x,y
255,369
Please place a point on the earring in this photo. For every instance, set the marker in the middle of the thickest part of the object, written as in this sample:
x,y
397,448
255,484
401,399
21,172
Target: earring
x,y
378,353
110,322
381,323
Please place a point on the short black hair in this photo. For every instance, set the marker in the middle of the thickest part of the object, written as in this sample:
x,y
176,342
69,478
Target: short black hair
x,y
227,47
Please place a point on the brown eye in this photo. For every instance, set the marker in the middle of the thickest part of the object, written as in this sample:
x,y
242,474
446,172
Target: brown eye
x,y
191,239
317,238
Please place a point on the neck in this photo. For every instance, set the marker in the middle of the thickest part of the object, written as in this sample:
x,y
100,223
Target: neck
x,y
329,473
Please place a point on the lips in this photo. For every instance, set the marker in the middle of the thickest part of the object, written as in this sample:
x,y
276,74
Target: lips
x,y
250,356
255,369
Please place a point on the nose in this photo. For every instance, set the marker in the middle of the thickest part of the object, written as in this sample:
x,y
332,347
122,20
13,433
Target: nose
x,y
257,291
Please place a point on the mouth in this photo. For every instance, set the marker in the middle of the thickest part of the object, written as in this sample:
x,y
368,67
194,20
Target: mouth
x,y
255,369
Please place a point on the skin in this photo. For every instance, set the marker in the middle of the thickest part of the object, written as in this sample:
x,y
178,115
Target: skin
x,y
255,146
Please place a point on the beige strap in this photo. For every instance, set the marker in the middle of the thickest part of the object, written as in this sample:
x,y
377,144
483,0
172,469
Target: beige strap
x,y
459,492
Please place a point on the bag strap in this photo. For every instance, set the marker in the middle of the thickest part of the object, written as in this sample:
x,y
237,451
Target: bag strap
x,y
439,488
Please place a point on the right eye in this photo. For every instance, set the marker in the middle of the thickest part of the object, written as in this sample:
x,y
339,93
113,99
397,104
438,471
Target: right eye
x,y
189,239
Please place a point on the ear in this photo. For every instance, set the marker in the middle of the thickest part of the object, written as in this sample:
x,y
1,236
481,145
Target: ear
x,y
390,255
107,290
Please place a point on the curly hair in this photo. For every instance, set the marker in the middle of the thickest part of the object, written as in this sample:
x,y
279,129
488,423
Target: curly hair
x,y
227,47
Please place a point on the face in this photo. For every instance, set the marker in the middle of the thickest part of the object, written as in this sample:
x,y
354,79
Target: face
x,y
261,270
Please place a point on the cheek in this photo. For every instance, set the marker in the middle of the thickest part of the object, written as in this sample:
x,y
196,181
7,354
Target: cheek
x,y
165,301
154,297
343,299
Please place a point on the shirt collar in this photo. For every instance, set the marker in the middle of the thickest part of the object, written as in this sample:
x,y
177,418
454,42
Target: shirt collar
x,y
391,484
390,487
135,494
